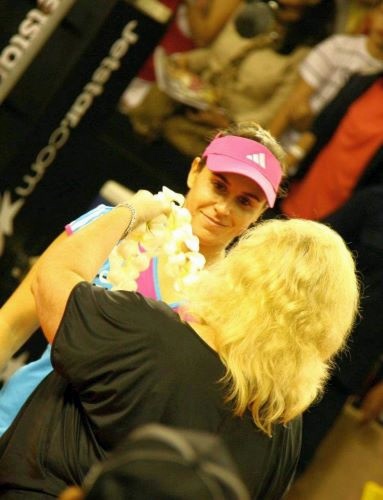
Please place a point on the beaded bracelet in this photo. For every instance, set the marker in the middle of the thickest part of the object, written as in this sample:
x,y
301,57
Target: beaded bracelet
x,y
133,218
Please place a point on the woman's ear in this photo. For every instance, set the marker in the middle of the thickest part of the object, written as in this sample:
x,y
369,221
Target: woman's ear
x,y
193,172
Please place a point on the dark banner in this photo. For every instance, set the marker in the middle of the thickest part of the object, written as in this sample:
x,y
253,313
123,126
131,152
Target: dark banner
x,y
52,164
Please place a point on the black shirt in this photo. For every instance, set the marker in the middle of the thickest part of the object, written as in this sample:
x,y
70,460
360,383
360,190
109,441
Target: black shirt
x,y
121,361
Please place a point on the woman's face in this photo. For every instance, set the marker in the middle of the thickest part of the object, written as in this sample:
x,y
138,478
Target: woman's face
x,y
222,205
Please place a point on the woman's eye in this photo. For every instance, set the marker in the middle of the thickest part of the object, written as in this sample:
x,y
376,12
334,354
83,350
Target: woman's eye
x,y
219,186
245,202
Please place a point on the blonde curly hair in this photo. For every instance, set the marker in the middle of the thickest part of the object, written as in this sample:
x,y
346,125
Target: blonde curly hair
x,y
281,305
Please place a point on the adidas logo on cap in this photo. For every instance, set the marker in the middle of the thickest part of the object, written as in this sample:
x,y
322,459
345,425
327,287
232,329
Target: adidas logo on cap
x,y
258,158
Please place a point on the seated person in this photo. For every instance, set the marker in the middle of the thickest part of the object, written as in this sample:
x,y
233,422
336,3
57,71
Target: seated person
x,y
323,73
250,351
250,77
194,24
346,154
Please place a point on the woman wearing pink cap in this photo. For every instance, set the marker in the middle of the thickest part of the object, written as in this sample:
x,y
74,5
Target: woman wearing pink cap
x,y
236,178
253,354
233,182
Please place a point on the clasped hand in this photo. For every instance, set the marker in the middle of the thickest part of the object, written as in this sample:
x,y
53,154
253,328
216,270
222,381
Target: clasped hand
x,y
149,206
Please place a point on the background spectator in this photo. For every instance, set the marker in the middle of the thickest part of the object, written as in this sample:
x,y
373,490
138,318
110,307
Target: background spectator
x,y
252,77
195,24
321,76
347,153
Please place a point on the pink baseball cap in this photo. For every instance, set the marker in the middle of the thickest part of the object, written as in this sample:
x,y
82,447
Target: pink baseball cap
x,y
238,155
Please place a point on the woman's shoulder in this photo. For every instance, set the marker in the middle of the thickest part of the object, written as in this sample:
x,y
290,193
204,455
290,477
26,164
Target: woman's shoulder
x,y
119,305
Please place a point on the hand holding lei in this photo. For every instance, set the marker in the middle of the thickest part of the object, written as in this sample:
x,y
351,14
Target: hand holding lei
x,y
170,237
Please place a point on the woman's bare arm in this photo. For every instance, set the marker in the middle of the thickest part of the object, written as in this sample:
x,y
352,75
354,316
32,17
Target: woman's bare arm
x,y
206,19
18,316
79,257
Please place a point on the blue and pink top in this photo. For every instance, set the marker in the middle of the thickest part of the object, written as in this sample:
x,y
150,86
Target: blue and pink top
x,y
19,387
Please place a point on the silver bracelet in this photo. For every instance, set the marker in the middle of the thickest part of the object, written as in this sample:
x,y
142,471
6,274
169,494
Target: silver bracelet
x,y
133,218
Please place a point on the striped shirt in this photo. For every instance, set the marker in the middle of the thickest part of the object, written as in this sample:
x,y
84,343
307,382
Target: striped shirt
x,y
330,64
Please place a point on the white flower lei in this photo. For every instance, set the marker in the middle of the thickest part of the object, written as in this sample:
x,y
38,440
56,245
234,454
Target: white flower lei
x,y
170,237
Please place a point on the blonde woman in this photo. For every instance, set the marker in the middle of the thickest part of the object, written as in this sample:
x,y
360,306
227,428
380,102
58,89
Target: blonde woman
x,y
263,325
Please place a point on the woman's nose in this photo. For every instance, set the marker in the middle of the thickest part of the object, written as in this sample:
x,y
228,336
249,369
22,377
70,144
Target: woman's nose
x,y
223,206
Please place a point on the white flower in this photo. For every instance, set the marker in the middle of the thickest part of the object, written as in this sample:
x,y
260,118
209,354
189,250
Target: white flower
x,y
171,247
192,243
197,260
142,262
127,248
177,259
169,195
170,237
182,215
